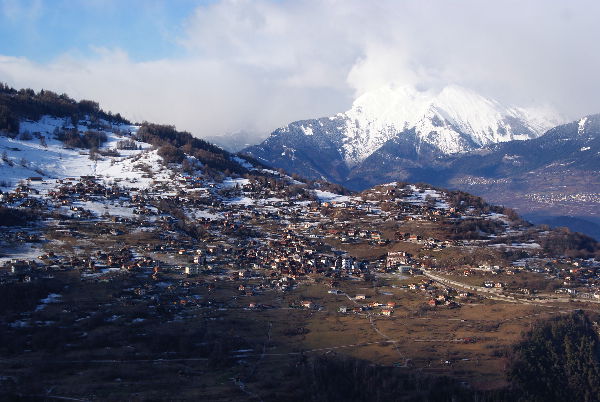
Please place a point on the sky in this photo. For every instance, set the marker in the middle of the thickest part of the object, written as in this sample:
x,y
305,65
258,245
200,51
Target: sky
x,y
216,67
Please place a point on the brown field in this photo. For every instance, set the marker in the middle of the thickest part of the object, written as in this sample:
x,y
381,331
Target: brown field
x,y
190,352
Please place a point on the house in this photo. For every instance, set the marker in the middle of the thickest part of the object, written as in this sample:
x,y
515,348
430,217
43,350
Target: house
x,y
192,270
343,309
395,258
360,297
307,304
387,312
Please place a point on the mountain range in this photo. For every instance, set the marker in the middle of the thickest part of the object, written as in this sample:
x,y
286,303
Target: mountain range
x,y
522,158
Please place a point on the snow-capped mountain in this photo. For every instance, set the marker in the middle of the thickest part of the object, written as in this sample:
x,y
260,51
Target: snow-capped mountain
x,y
452,120
426,123
453,138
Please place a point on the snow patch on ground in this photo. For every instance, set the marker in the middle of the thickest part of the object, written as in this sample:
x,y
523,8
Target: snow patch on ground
x,y
581,125
307,130
420,197
241,201
327,196
243,162
51,298
230,182
199,214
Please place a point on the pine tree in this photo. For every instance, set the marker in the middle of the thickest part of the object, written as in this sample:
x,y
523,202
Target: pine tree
x,y
558,360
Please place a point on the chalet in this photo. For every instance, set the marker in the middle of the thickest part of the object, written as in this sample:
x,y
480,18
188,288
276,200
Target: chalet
x,y
307,304
18,267
212,249
192,270
414,238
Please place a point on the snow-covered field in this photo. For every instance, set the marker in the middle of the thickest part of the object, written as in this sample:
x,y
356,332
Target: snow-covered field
x,y
51,159
420,197
327,196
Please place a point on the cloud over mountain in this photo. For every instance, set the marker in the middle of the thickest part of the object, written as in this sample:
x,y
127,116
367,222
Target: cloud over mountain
x,y
256,65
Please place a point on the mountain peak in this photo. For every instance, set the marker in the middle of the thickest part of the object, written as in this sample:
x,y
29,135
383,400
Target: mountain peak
x,y
419,125
451,120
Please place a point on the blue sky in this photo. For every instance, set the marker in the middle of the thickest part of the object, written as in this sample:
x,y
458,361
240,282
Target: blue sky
x,y
42,30
215,67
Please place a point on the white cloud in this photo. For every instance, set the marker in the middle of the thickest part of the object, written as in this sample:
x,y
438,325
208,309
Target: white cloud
x,y
18,11
256,65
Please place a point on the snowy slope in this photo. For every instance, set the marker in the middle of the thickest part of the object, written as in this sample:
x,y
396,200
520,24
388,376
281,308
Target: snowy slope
x,y
35,157
22,159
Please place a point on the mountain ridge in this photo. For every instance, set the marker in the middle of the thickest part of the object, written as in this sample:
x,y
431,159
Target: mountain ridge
x,y
550,174
453,120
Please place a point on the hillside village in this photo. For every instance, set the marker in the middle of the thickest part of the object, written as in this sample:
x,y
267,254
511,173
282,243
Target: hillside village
x,y
122,236
299,201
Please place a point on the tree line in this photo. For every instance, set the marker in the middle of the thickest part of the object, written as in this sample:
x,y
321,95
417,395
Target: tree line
x,y
21,104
